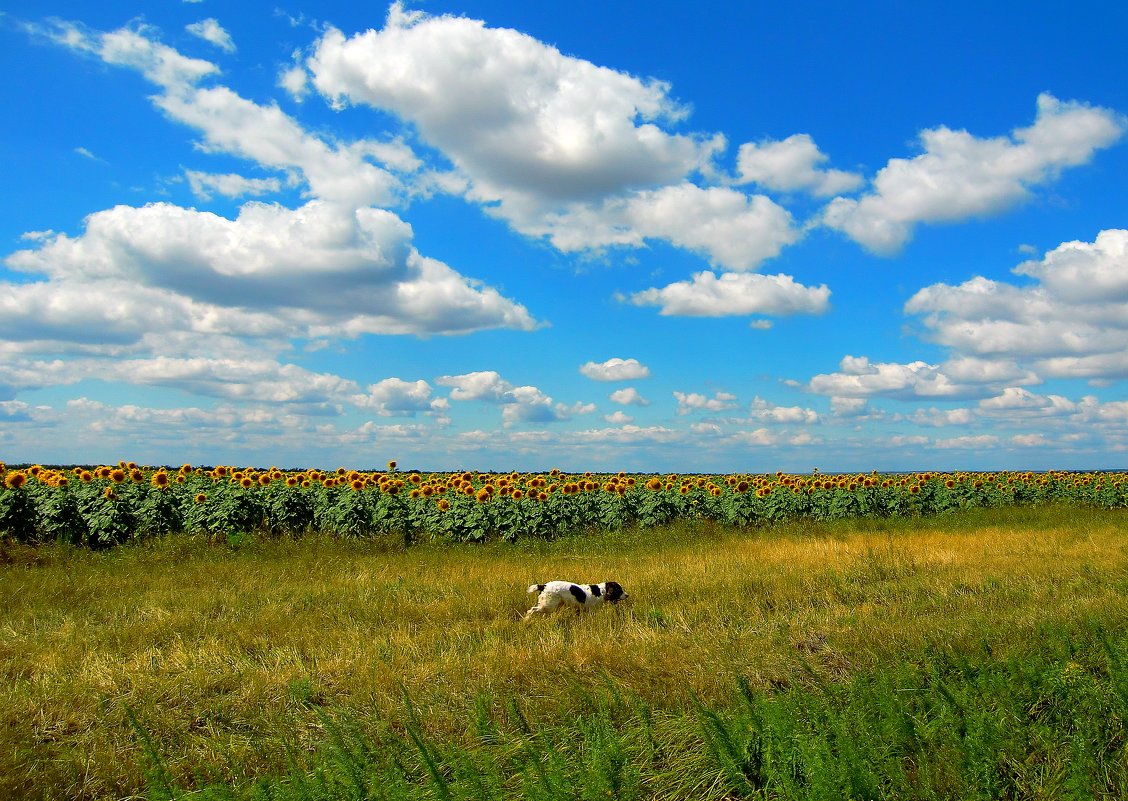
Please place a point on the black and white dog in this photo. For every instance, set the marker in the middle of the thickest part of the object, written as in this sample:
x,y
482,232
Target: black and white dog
x,y
577,596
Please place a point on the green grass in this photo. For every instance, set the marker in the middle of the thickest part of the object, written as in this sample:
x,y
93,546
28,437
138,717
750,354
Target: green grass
x,y
985,649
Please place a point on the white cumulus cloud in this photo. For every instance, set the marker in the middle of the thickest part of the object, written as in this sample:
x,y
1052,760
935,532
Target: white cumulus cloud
x,y
556,146
615,369
960,175
1071,322
271,270
859,378
519,404
628,396
695,401
710,295
791,165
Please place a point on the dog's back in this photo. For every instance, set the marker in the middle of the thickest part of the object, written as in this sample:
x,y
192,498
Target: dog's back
x,y
578,596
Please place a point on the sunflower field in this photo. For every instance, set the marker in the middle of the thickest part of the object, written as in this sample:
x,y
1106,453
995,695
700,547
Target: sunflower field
x,y
106,505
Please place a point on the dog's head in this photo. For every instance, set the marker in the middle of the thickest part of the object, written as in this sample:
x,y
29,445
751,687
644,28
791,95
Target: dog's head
x,y
613,591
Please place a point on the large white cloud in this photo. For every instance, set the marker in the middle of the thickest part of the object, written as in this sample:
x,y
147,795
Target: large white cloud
x,y
858,377
1072,322
959,175
514,114
727,227
557,146
318,270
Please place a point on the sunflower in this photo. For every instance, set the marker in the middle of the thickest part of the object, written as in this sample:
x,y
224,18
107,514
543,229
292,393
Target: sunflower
x,y
136,476
392,464
15,480
443,504
159,479
264,479
654,484
483,495
109,494
247,482
356,484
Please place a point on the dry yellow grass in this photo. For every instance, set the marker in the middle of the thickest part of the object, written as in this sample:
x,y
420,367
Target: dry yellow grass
x,y
221,653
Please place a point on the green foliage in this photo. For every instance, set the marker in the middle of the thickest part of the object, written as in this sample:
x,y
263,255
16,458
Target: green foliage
x,y
509,507
61,518
349,514
290,510
1049,723
160,512
110,520
18,514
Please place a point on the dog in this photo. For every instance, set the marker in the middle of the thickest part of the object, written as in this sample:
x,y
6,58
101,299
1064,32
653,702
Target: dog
x,y
578,596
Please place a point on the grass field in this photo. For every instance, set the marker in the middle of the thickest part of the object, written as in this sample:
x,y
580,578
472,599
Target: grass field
x,y
746,664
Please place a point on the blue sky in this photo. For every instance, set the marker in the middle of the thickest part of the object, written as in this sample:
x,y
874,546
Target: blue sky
x,y
502,235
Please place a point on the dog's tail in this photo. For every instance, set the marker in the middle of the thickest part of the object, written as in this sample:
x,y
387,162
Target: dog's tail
x,y
535,588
